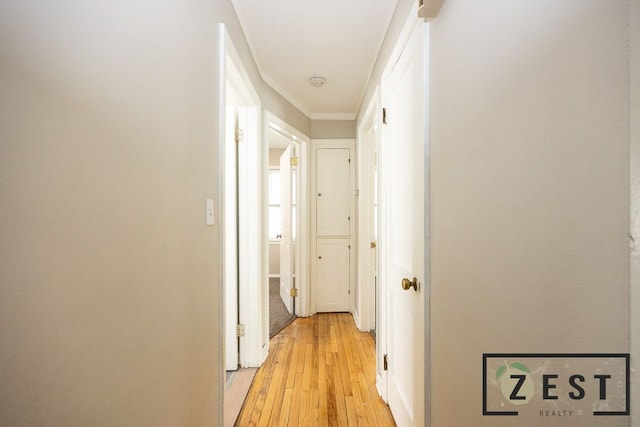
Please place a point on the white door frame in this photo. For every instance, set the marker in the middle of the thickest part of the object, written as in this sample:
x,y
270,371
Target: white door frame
x,y
365,304
381,380
286,233
331,143
251,266
230,236
301,246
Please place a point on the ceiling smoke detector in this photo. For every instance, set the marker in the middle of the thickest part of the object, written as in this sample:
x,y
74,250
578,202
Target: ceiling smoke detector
x,y
317,81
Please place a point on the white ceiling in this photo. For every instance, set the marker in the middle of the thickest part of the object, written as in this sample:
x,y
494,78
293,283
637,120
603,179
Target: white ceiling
x,y
293,40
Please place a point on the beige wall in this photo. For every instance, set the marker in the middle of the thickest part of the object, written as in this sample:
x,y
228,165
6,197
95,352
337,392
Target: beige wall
x,y
108,276
635,208
274,258
274,156
333,129
529,129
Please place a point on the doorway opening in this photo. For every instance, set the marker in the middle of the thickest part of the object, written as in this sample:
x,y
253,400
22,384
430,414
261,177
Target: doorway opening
x,y
282,209
287,219
240,221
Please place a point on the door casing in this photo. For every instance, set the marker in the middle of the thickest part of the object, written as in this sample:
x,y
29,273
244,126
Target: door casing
x,y
249,216
367,147
286,237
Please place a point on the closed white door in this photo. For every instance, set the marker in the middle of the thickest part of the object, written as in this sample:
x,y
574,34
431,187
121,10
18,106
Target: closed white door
x,y
333,274
333,189
404,246
286,253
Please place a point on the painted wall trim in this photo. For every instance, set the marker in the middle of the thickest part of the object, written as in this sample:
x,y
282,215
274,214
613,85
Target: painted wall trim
x,y
222,36
366,257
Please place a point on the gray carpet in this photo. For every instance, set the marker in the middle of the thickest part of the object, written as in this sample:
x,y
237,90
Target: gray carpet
x,y
279,317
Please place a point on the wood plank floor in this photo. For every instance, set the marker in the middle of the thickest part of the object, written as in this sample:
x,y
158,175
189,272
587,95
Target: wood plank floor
x,y
320,372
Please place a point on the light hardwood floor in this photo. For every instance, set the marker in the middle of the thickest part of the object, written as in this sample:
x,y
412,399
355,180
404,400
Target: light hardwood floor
x,y
320,372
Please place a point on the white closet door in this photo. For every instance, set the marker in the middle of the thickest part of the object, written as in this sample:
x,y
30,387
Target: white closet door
x,y
333,183
333,272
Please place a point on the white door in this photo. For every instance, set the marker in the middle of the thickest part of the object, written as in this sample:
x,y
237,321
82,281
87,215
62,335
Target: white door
x,y
333,274
231,234
404,178
333,188
286,252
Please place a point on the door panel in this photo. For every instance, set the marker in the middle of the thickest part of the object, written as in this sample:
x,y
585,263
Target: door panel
x,y
333,273
231,235
286,252
404,231
333,183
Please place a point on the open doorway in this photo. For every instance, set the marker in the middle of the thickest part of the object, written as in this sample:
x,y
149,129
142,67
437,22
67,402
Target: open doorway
x,y
287,219
282,219
240,221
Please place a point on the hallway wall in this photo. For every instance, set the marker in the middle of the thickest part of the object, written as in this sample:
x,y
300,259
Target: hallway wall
x,y
529,129
635,203
333,129
108,275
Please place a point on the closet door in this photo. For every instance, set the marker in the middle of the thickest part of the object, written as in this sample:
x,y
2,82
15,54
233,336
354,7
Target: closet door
x,y
333,191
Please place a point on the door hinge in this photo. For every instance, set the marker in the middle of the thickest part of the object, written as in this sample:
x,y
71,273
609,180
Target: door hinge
x,y
293,292
349,160
293,161
373,245
239,135
385,365
240,330
384,116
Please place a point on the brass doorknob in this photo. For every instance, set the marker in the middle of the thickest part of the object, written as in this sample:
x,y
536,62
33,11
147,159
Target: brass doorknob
x,y
408,284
